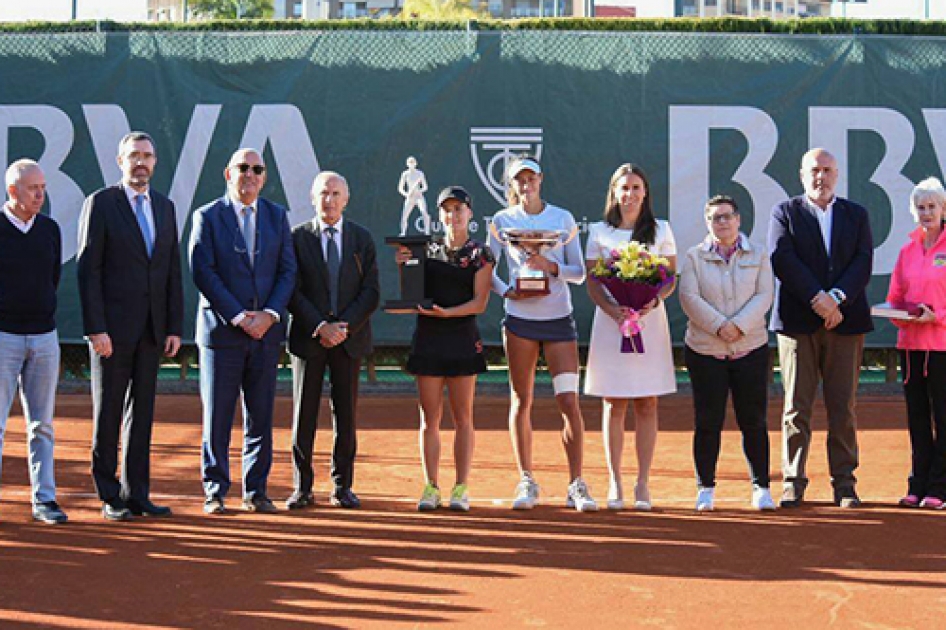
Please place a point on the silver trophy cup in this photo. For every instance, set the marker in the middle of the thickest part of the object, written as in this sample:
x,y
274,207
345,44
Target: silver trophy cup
x,y
524,243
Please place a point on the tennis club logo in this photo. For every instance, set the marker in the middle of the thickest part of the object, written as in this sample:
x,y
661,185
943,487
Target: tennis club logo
x,y
494,147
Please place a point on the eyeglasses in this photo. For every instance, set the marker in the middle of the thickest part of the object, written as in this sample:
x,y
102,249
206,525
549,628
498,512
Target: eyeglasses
x,y
726,217
258,169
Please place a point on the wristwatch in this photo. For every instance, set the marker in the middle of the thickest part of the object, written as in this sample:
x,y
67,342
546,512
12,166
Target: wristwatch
x,y
838,296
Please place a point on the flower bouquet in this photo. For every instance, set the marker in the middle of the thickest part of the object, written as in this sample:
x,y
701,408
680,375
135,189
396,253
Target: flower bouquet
x,y
633,276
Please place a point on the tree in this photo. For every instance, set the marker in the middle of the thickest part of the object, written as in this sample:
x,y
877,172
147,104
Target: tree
x,y
231,9
439,10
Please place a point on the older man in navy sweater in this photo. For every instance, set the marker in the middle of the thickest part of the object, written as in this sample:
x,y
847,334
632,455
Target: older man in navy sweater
x,y
30,258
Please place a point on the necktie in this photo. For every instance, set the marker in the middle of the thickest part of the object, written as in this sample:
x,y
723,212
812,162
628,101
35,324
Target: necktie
x,y
249,234
143,223
332,259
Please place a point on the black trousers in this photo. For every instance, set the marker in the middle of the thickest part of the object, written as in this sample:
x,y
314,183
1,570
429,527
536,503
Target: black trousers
x,y
924,387
123,389
712,380
307,377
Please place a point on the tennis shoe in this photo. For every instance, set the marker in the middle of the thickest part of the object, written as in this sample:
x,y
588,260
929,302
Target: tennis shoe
x,y
579,497
704,499
460,498
430,499
527,493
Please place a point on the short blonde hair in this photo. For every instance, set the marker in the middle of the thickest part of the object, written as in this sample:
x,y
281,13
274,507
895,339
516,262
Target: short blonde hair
x,y
929,189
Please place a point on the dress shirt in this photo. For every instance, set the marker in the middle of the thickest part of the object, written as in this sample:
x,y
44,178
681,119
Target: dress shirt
x,y
825,220
238,211
323,231
131,193
18,223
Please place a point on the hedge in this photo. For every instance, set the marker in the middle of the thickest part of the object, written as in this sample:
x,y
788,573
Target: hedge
x,y
811,26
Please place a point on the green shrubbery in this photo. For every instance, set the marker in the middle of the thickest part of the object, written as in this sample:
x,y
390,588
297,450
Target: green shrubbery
x,y
814,26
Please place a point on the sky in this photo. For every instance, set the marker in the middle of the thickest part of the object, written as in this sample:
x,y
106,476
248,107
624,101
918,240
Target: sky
x,y
119,10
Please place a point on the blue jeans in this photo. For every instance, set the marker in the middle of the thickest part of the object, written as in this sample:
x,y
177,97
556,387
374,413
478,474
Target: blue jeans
x,y
32,363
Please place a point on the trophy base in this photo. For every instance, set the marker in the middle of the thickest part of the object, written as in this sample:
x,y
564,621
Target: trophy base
x,y
532,287
406,307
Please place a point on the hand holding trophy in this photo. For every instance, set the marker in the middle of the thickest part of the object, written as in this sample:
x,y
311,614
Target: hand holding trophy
x,y
524,244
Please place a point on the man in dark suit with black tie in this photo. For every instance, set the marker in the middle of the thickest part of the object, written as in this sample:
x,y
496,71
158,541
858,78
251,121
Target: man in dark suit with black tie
x,y
129,270
336,292
244,267
822,251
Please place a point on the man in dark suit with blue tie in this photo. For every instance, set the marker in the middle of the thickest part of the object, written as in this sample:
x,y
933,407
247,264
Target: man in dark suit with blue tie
x,y
822,251
243,264
129,271
336,293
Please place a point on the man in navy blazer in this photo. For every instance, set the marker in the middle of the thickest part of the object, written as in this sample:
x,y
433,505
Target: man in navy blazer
x,y
822,252
129,268
243,264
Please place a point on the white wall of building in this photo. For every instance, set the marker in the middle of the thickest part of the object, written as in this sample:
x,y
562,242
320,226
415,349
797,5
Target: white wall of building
x,y
645,8
56,10
890,9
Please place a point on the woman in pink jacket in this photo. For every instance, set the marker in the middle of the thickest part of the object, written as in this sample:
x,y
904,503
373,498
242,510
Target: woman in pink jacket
x,y
919,281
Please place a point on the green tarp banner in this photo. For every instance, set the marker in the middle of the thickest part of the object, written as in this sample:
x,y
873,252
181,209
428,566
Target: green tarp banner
x,y
702,113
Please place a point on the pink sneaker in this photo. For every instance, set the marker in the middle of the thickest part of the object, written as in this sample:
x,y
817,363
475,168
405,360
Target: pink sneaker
x,y
909,501
933,503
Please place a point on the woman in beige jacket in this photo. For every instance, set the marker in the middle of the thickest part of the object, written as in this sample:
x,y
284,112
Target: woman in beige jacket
x,y
726,289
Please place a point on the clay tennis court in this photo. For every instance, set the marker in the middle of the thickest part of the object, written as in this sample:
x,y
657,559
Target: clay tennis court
x,y
389,566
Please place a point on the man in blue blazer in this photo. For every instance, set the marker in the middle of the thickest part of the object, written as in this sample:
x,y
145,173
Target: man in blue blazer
x,y
244,266
822,252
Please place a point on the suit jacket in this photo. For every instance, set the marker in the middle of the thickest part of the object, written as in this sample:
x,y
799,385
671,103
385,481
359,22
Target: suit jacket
x,y
358,290
803,268
228,283
120,288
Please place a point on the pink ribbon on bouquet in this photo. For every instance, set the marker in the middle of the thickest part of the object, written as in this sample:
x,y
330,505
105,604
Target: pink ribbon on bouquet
x,y
632,324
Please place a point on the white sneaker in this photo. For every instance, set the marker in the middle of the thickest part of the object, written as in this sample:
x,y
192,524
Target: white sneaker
x,y
704,500
579,498
527,494
615,497
762,499
642,501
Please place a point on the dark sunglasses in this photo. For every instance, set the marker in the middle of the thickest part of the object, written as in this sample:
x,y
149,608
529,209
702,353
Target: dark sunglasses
x,y
259,169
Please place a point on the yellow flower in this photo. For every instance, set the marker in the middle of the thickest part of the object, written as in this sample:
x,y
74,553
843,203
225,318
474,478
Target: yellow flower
x,y
628,269
601,269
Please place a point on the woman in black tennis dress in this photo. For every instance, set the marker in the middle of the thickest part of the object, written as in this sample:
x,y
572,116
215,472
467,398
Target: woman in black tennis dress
x,y
446,350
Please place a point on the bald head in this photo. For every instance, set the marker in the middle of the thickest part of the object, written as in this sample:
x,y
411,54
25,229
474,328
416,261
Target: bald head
x,y
819,176
245,175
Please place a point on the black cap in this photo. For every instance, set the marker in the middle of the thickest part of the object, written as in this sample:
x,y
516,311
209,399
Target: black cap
x,y
454,192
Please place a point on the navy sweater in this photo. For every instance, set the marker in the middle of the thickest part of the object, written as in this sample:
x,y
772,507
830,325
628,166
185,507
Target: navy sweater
x,y
30,266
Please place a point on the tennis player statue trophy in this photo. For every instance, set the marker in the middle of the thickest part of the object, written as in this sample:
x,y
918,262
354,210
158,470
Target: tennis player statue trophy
x,y
412,187
523,243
